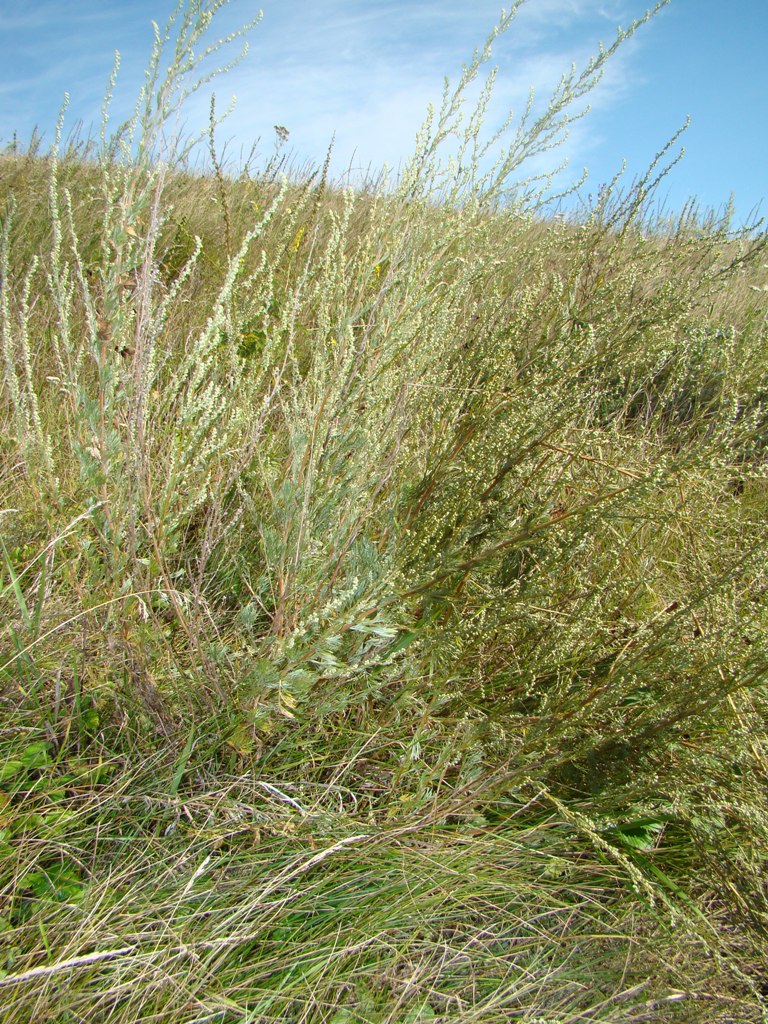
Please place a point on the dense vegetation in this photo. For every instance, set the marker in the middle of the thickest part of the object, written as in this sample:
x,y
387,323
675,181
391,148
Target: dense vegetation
x,y
382,590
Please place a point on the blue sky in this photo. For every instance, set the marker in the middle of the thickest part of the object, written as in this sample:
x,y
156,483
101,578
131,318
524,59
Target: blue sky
x,y
365,70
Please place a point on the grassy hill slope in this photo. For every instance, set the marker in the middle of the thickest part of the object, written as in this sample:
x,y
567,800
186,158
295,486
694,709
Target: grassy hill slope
x,y
382,600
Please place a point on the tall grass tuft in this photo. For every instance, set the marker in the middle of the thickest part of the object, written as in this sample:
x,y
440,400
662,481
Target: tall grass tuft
x,y
382,581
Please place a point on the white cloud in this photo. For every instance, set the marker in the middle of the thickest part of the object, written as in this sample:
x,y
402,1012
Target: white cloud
x,y
363,73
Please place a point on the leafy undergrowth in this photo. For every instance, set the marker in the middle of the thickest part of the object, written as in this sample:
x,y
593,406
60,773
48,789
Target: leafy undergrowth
x,y
382,586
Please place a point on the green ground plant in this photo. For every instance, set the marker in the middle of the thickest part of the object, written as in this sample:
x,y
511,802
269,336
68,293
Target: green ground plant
x,y
382,583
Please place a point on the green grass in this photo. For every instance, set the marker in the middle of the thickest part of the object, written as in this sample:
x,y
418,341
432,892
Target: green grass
x,y
382,589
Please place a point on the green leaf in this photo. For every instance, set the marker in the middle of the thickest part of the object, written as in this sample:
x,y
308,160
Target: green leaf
x,y
60,883
14,584
405,640
419,1015
36,755
9,769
